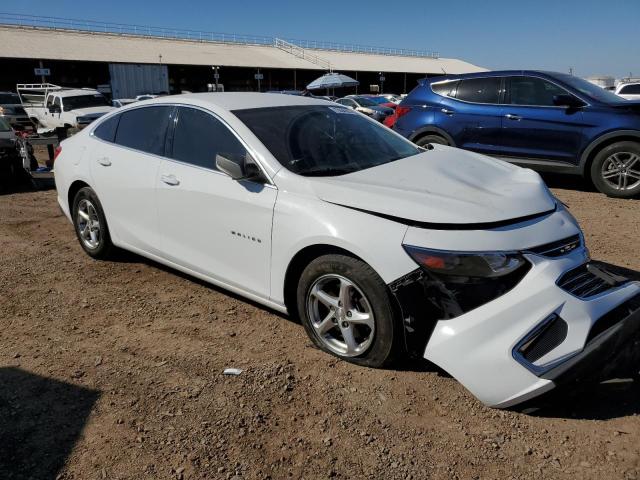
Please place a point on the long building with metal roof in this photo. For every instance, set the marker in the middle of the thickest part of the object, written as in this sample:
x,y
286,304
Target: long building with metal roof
x,y
81,53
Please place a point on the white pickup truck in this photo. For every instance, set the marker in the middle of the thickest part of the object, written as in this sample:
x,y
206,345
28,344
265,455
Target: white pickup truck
x,y
52,107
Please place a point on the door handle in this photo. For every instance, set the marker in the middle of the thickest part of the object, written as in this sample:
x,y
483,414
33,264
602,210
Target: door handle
x,y
511,116
170,180
446,111
104,161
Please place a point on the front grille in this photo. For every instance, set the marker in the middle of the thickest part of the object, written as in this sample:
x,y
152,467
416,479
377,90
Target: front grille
x,y
557,248
551,334
582,283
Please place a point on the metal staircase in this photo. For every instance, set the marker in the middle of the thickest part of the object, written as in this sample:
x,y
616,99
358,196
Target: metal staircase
x,y
300,52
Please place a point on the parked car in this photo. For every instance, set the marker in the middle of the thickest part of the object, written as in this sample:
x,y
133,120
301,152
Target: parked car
x,y
121,102
392,97
12,111
628,90
544,120
54,108
382,100
365,105
379,246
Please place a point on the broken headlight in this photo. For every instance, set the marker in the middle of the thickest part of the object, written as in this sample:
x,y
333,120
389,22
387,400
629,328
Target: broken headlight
x,y
466,264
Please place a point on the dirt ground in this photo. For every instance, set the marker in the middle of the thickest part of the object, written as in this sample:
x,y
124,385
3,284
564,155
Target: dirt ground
x,y
113,370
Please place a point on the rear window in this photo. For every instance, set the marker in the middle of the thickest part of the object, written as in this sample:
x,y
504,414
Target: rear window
x,y
9,98
631,89
479,90
445,89
144,129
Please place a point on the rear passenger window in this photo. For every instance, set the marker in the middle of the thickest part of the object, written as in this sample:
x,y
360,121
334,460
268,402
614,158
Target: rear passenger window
x,y
199,136
479,90
107,129
144,129
446,89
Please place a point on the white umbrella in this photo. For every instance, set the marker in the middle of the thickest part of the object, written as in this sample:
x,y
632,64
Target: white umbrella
x,y
332,80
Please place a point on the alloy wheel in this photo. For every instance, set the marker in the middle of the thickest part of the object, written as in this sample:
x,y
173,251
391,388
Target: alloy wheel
x,y
621,170
88,224
341,315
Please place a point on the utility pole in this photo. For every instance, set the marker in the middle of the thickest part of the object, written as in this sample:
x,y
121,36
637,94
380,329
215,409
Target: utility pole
x,y
381,82
216,75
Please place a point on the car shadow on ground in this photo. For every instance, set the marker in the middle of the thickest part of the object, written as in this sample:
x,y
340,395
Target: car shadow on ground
x,y
567,182
41,420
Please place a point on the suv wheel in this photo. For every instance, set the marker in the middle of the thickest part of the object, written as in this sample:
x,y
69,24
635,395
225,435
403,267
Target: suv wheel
x,y
90,224
346,310
437,139
615,170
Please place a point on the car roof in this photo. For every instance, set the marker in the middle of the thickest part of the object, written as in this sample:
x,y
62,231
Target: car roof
x,y
240,100
492,73
74,92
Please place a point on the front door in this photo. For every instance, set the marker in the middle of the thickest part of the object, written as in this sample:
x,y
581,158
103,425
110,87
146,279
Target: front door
x,y
209,222
534,127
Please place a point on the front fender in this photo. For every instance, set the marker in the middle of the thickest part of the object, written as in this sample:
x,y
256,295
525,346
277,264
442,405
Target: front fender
x,y
301,221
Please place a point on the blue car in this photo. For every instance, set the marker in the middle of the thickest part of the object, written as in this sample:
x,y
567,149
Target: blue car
x,y
543,120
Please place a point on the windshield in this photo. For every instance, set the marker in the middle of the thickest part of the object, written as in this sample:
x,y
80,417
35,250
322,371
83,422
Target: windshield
x,y
9,98
320,140
588,88
379,100
84,101
365,102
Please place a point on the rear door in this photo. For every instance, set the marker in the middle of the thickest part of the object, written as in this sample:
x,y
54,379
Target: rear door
x,y
534,127
471,113
124,167
209,222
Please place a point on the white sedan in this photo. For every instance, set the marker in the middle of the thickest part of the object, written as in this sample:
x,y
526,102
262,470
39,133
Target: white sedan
x,y
380,247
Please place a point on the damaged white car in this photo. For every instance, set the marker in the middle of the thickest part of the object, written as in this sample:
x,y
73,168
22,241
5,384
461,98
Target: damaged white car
x,y
380,247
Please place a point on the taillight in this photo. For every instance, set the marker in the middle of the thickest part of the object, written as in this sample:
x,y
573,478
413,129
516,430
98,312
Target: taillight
x,y
57,152
400,111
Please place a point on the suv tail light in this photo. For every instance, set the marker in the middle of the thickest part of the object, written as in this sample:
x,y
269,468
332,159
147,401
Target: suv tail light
x,y
57,152
400,111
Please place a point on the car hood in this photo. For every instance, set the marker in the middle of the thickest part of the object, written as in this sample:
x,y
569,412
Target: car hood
x,y
441,186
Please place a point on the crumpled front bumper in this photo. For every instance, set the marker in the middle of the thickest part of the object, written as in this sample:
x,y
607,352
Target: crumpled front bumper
x,y
479,348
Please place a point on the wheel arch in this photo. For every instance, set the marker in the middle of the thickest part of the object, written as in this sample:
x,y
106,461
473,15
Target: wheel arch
x,y
431,130
602,142
74,188
297,265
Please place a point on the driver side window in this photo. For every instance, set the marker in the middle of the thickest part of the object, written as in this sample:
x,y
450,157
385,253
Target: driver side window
x,y
199,137
533,91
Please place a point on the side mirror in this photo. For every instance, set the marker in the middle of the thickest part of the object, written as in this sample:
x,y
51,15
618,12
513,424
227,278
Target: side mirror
x,y
54,109
566,100
237,167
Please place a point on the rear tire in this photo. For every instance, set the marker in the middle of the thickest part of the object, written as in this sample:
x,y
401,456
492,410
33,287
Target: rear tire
x,y
615,170
433,139
346,310
91,225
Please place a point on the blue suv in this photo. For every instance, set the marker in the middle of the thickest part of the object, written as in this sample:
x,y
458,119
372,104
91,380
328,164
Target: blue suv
x,y
543,120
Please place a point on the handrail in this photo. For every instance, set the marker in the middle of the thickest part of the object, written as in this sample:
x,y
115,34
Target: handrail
x,y
98,27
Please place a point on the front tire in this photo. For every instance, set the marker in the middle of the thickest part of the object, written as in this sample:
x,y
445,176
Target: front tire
x,y
345,308
431,139
91,225
615,170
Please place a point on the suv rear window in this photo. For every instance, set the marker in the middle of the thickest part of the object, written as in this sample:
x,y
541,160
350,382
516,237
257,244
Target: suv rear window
x,y
479,90
446,89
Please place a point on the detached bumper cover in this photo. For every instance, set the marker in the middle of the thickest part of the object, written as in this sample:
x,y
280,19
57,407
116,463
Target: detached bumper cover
x,y
477,348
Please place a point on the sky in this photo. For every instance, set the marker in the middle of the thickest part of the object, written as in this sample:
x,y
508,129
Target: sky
x,y
590,37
